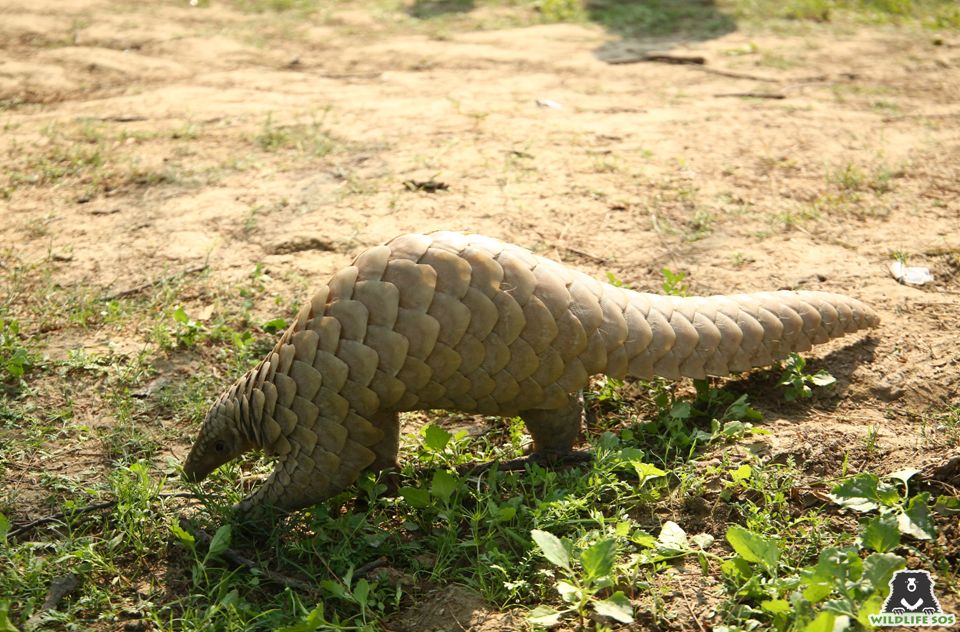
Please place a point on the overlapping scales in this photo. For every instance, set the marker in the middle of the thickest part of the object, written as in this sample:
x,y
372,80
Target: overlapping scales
x,y
469,323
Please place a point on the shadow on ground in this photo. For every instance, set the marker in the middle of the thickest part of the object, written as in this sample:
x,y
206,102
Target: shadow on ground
x,y
643,25
427,9
648,25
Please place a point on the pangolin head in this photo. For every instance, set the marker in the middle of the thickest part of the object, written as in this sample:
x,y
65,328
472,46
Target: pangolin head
x,y
221,439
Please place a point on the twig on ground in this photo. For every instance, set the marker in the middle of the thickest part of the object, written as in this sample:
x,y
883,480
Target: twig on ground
x,y
752,95
739,75
585,254
693,614
660,58
237,559
60,515
122,118
146,286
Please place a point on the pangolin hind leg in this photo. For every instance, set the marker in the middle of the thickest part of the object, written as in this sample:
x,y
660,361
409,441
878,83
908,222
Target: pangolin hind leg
x,y
387,449
555,431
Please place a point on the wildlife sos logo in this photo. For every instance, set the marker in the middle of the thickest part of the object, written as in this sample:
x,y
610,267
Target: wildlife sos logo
x,y
912,603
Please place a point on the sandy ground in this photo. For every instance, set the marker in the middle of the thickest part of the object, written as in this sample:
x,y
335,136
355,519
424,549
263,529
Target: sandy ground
x,y
140,141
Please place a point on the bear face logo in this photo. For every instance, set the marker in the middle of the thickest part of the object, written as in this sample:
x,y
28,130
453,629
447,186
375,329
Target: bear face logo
x,y
911,592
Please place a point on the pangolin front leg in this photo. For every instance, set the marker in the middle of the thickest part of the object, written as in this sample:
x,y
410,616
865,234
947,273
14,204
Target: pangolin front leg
x,y
458,322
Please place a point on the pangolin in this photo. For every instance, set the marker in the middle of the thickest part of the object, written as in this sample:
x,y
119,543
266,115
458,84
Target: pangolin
x,y
469,323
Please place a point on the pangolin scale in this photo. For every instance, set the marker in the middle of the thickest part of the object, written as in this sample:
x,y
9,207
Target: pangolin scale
x,y
469,323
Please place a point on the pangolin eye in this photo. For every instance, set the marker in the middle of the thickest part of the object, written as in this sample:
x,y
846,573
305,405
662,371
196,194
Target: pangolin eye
x,y
220,446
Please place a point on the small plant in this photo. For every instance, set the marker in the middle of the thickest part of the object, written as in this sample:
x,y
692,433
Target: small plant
x,y
561,10
275,325
673,283
798,383
187,331
729,417
889,496
850,178
580,588
841,586
271,137
15,360
218,544
614,280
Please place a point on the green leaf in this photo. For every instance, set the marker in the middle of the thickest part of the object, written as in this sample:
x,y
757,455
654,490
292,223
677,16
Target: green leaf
x,y
335,588
881,534
823,623
947,506
681,410
776,606
312,623
617,607
180,315
904,475
183,535
443,486
599,558
822,378
817,591
888,494
644,539
741,474
916,520
5,624
703,540
4,528
569,592
646,471
753,547
871,605
361,591
672,539
415,497
435,438
544,616
860,493
737,570
275,325
860,486
220,541
878,568
552,548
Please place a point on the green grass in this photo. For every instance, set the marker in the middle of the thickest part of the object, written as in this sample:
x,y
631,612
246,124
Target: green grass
x,y
88,158
663,486
676,478
480,531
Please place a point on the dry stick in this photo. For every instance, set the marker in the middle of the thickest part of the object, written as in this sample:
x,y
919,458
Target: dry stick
x,y
585,254
738,75
659,58
752,95
237,559
693,614
146,286
109,504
